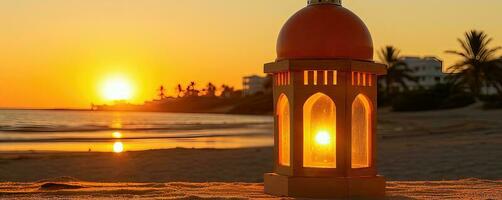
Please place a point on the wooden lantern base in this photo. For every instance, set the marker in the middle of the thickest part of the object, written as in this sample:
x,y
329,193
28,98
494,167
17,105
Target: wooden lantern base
x,y
325,187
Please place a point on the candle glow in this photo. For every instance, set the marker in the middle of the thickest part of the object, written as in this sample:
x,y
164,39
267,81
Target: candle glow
x,y
323,138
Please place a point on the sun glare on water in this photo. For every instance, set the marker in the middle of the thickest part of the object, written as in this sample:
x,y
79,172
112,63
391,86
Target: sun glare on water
x,y
118,147
117,135
116,89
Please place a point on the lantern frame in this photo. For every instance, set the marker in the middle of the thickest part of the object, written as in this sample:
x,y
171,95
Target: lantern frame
x,y
341,81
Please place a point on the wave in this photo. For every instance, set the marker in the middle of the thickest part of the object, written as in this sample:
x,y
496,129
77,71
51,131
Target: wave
x,y
108,139
127,127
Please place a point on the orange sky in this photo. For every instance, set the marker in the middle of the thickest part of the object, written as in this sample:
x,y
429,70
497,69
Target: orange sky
x,y
59,53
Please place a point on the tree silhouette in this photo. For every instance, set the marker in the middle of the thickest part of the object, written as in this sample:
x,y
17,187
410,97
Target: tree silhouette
x,y
162,91
210,90
269,83
179,89
191,91
478,66
227,91
397,72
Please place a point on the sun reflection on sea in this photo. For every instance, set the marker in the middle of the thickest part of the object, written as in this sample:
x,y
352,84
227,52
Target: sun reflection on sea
x,y
118,147
116,134
116,124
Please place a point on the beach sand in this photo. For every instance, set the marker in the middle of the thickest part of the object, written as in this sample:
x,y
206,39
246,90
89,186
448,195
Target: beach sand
x,y
463,145
72,189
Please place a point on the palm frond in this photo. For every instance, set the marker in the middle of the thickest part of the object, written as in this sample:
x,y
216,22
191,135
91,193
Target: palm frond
x,y
478,66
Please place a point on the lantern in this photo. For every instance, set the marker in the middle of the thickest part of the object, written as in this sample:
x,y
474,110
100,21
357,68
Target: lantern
x,y
325,92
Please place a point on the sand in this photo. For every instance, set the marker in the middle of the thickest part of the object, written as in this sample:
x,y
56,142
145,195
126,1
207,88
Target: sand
x,y
193,165
441,145
463,145
72,189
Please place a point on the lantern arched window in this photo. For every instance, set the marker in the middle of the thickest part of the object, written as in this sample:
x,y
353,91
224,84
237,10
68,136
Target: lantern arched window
x,y
319,135
284,121
361,131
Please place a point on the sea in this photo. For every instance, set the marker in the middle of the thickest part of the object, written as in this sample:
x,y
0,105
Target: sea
x,y
92,131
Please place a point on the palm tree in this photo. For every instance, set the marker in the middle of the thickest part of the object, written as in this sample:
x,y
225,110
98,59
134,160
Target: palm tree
x,y
227,91
210,90
269,84
397,70
191,91
478,67
162,92
179,89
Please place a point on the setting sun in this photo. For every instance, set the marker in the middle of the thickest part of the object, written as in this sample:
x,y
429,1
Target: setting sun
x,y
117,89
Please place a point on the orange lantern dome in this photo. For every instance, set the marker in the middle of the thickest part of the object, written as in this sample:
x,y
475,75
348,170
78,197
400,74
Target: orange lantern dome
x,y
325,31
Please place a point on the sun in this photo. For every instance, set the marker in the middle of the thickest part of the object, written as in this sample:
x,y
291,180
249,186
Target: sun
x,y
117,88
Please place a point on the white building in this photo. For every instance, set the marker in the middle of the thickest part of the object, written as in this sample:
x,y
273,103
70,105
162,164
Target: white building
x,y
427,70
253,84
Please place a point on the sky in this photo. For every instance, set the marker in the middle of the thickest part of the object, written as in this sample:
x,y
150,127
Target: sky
x,y
62,53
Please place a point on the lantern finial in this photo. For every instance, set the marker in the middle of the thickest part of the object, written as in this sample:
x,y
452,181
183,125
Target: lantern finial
x,y
314,2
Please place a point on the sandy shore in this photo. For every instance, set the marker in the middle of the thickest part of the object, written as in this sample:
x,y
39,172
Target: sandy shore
x,y
461,145
71,189
193,165
441,145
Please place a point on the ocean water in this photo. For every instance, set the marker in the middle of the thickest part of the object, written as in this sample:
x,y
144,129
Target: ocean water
x,y
41,130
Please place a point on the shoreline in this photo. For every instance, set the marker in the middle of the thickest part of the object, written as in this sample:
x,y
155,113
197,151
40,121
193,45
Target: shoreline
x,y
453,145
234,165
133,151
132,111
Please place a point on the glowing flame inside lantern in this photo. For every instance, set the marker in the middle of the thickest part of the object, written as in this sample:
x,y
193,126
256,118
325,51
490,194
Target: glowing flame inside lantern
x,y
323,138
319,123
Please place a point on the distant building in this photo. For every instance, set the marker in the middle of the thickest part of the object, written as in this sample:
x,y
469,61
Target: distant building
x,y
253,84
428,72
